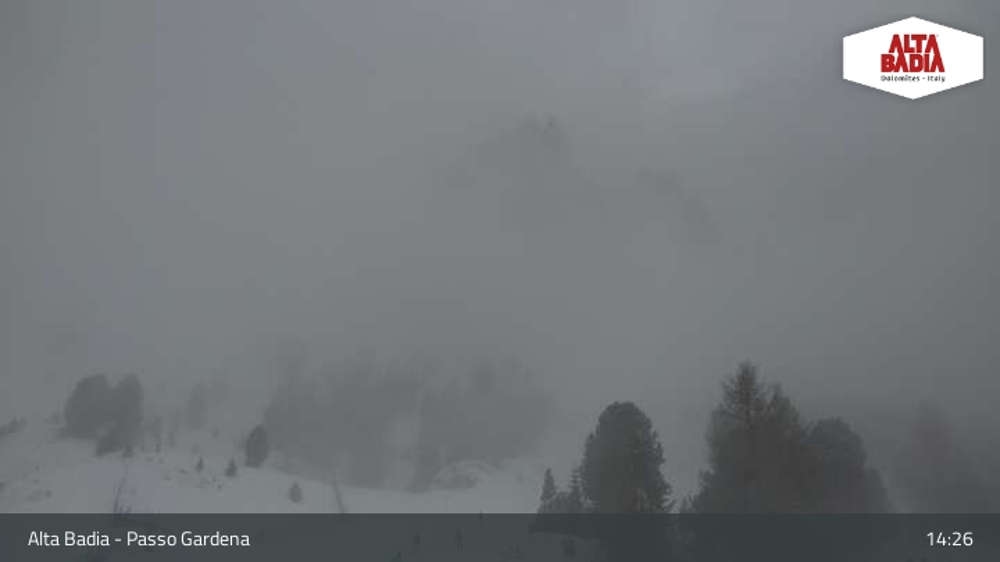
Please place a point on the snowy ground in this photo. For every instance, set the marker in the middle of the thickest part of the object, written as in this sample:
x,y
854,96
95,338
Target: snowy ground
x,y
42,473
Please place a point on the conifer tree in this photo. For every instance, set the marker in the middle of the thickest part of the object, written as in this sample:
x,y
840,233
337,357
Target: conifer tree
x,y
840,481
756,446
257,447
574,498
548,492
621,469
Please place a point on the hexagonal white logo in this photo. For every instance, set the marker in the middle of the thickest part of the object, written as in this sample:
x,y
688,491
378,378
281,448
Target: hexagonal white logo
x,y
913,58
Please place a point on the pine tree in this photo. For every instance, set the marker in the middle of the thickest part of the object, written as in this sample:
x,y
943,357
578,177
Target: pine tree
x,y
548,492
756,451
574,499
257,447
231,468
88,409
839,479
621,469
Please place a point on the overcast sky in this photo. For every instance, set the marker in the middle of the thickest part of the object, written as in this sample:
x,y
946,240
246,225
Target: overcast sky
x,y
184,181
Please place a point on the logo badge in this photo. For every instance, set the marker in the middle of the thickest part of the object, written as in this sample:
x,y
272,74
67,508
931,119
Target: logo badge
x,y
913,58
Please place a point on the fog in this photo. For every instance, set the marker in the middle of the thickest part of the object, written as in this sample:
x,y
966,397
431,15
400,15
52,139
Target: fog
x,y
629,198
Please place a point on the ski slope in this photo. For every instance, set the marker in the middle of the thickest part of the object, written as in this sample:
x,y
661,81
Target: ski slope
x,y
42,472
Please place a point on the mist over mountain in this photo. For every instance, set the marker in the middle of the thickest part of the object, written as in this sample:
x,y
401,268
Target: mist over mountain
x,y
625,200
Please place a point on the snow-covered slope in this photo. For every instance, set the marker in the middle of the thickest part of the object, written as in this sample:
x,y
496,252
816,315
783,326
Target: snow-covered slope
x,y
43,473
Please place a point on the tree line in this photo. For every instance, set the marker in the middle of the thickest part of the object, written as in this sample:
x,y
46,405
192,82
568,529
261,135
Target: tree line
x,y
763,457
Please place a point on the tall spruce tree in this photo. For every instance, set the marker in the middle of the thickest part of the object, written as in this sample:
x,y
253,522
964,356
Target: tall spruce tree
x,y
839,480
257,447
622,460
549,492
574,502
88,409
756,447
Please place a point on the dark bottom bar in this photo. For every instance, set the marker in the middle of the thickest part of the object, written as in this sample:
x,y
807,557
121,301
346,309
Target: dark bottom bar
x,y
441,538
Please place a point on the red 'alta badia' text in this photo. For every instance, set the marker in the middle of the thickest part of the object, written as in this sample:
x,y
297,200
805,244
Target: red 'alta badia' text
x,y
913,53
